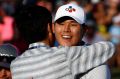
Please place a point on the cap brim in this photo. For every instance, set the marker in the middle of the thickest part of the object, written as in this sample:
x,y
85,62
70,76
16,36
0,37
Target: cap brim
x,y
75,18
5,65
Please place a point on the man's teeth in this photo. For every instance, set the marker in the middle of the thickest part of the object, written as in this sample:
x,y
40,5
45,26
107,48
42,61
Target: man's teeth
x,y
66,36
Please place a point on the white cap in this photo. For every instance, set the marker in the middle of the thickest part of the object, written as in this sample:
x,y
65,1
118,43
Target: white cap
x,y
72,10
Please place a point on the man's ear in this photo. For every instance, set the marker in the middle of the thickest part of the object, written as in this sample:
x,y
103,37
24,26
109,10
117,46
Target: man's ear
x,y
53,27
49,28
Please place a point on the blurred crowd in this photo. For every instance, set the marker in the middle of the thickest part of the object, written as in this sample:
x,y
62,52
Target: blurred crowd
x,y
103,21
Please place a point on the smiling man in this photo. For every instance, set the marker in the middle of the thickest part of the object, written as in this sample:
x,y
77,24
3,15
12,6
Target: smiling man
x,y
68,32
69,25
69,28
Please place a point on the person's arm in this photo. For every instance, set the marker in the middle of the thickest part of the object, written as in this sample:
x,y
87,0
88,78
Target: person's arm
x,y
100,72
81,59
20,68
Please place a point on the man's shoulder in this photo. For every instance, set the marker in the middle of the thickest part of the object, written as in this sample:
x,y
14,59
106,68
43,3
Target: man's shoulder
x,y
20,58
35,53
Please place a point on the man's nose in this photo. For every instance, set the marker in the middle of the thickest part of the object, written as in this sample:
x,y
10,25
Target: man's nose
x,y
66,28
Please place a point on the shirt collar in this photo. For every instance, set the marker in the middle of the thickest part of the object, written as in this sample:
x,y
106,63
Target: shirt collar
x,y
37,45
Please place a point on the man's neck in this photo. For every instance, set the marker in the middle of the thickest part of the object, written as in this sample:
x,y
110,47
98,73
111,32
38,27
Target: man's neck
x,y
46,42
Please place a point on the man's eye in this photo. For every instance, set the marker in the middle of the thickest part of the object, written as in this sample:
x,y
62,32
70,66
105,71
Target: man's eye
x,y
74,24
61,24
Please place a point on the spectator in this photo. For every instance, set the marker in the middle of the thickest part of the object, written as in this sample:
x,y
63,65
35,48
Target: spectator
x,y
99,13
91,35
6,26
8,6
115,30
115,37
45,3
7,53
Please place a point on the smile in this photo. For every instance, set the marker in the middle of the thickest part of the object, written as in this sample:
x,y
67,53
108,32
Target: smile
x,y
66,36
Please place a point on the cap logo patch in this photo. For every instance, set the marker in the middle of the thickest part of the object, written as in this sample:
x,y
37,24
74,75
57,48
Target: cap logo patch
x,y
70,9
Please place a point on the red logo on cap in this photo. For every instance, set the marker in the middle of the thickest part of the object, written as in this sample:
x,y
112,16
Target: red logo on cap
x,y
70,9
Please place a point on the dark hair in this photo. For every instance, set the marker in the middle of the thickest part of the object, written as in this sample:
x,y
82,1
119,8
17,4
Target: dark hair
x,y
32,22
62,19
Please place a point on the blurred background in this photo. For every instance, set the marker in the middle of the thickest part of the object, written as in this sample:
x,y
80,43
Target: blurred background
x,y
103,21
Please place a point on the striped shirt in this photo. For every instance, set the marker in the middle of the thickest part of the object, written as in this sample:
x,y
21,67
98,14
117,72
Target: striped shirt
x,y
44,62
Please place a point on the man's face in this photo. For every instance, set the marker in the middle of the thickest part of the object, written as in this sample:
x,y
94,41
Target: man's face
x,y
5,73
68,32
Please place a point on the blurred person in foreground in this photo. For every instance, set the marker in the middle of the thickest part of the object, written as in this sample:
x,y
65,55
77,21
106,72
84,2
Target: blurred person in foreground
x,y
41,60
7,53
69,30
